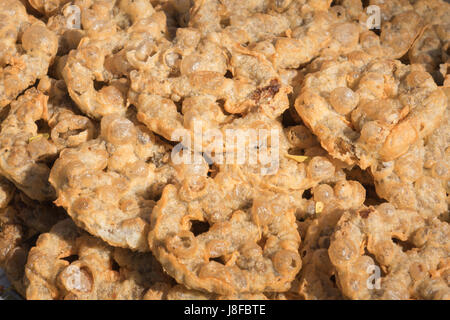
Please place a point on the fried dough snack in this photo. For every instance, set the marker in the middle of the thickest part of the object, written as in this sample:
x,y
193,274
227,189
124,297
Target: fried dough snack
x,y
67,263
313,165
400,26
214,80
68,128
22,159
409,251
368,111
65,23
172,291
9,231
108,185
26,152
96,73
420,179
316,278
20,222
429,49
221,236
26,51
6,192
13,247
292,33
288,33
294,120
47,7
177,13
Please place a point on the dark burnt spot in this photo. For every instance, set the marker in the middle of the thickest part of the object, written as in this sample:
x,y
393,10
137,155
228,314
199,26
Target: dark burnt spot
x,y
364,213
266,92
345,148
262,242
405,246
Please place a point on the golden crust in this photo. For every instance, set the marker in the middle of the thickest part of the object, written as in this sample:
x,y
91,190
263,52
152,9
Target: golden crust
x,y
20,222
388,106
118,176
47,7
115,38
216,79
407,251
316,280
419,179
429,48
245,263
302,108
67,263
27,50
36,128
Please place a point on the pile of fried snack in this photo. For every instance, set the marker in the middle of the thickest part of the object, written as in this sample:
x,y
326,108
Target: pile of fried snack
x,y
94,94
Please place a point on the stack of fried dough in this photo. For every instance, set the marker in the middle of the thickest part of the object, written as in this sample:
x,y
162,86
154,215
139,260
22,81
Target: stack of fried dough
x,y
113,187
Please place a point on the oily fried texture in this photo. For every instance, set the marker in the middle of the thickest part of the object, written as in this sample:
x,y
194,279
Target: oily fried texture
x,y
67,263
97,72
292,33
224,238
13,252
108,185
288,160
47,7
316,280
209,80
385,253
23,159
368,111
20,223
26,51
36,128
419,179
289,33
67,127
430,48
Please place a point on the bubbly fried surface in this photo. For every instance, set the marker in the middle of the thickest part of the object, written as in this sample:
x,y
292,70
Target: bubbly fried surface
x,y
97,72
316,280
369,111
35,130
67,263
26,52
118,175
225,149
251,250
21,220
406,250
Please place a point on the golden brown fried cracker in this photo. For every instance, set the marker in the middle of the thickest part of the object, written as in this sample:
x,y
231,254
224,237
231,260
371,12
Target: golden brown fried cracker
x,y
316,279
366,111
20,222
67,263
108,185
26,52
294,164
384,253
96,73
47,7
239,260
429,48
27,133
420,179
